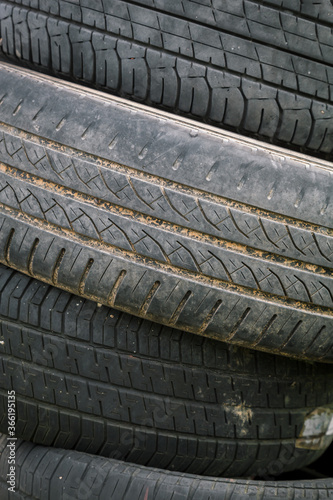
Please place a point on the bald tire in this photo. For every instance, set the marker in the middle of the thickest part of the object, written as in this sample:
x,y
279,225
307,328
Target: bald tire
x,y
166,219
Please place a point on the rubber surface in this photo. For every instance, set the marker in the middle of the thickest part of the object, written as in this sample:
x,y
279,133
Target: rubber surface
x,y
259,68
97,380
190,227
63,475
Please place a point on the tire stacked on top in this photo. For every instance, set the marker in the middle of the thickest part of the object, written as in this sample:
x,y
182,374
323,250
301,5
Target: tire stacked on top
x,y
263,69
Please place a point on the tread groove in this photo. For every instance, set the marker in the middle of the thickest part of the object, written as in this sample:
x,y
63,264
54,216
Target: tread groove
x,y
84,276
152,292
210,316
238,324
31,256
115,289
180,307
57,266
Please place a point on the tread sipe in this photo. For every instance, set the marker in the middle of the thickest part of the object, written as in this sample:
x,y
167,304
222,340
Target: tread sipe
x,y
264,69
166,219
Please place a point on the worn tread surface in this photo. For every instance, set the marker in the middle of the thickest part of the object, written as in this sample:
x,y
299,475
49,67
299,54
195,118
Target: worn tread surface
x,y
191,227
260,68
57,474
94,379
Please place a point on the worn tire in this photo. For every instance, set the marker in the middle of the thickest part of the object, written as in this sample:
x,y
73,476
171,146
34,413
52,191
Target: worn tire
x,y
190,227
100,381
57,474
165,219
259,68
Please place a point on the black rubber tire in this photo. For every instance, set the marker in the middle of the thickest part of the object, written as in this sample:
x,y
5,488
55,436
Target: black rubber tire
x,y
191,227
57,474
194,228
258,68
100,381
320,469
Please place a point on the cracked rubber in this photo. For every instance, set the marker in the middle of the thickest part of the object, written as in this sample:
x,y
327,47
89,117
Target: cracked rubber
x,y
91,378
264,69
57,474
166,219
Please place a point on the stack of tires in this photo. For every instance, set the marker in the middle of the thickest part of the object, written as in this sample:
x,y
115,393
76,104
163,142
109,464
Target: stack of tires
x,y
166,248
